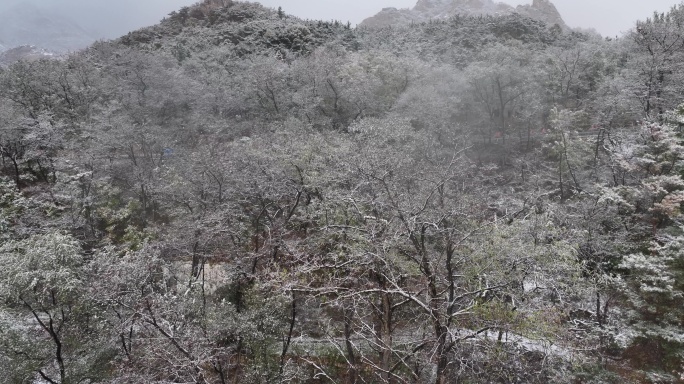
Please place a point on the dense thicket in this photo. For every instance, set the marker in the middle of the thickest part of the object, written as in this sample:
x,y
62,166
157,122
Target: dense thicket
x,y
238,195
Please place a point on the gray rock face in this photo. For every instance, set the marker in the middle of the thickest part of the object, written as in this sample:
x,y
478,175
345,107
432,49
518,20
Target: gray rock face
x,y
425,10
543,10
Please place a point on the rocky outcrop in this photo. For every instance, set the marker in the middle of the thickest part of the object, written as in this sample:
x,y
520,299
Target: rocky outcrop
x,y
542,10
425,10
391,16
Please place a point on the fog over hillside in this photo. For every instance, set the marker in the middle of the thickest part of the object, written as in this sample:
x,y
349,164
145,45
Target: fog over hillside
x,y
608,17
103,19
97,19
28,24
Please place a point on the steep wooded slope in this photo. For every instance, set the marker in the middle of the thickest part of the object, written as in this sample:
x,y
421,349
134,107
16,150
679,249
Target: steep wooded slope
x,y
239,195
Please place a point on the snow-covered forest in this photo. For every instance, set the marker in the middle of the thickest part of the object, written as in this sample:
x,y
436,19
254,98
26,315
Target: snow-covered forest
x,y
236,195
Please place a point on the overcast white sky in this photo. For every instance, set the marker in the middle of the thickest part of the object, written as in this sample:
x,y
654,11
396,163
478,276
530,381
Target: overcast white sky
x,y
112,18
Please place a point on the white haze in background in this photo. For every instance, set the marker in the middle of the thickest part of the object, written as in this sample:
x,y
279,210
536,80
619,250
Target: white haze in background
x,y
106,19
608,17
109,19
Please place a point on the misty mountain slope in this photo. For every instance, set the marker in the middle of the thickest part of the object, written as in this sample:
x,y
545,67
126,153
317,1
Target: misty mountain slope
x,y
248,28
457,38
245,28
24,52
425,10
25,24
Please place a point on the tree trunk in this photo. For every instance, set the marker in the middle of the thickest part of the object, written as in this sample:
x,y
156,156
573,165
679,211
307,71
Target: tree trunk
x,y
351,357
386,336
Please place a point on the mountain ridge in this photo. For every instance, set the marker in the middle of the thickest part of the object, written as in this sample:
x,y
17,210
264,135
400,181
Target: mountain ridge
x,y
424,10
